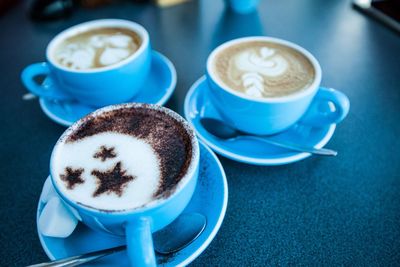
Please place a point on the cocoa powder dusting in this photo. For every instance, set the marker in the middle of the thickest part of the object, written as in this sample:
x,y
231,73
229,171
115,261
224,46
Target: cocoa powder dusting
x,y
72,177
168,138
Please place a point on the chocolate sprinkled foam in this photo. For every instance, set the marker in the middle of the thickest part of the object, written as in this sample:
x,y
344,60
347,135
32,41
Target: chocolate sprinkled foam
x,y
167,136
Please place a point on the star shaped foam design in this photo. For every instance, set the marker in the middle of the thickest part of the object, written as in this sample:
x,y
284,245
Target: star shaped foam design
x,y
113,180
105,153
72,177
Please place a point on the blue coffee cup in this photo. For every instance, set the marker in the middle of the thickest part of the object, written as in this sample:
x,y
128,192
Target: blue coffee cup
x,y
113,84
137,224
271,115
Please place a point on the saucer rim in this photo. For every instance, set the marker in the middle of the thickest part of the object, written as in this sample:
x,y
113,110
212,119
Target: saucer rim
x,y
201,248
245,159
168,92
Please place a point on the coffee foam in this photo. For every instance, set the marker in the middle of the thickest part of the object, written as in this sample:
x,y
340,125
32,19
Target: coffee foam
x,y
263,69
113,55
138,159
97,48
161,146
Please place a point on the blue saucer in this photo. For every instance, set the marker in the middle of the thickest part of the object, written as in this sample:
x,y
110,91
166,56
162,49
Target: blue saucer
x,y
210,198
158,89
247,150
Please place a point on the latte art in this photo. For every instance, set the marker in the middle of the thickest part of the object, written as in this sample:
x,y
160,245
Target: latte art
x,y
97,48
255,65
264,61
122,159
263,69
130,178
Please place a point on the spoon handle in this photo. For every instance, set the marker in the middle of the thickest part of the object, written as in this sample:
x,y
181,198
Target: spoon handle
x,y
296,147
81,259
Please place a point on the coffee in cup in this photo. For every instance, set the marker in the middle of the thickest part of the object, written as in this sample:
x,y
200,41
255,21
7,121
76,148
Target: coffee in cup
x,y
122,159
263,85
97,63
97,48
127,170
263,69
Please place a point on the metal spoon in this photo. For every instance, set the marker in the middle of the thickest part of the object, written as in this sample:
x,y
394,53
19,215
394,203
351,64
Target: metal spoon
x,y
174,237
221,130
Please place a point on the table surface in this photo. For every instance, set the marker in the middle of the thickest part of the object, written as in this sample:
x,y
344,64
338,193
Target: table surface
x,y
320,211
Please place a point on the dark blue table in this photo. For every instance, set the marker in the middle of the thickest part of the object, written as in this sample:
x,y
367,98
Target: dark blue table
x,y
320,211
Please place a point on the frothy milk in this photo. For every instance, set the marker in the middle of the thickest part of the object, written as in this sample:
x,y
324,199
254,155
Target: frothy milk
x,y
263,69
122,159
97,48
136,157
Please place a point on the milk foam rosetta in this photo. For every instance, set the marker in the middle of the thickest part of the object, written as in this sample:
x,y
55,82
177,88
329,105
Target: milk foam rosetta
x,y
263,69
122,159
97,48
135,157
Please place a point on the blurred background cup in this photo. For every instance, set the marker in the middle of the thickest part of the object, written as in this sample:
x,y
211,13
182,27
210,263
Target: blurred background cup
x,y
232,25
242,6
113,84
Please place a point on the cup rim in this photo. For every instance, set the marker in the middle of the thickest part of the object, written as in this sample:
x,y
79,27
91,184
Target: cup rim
x,y
287,98
188,176
100,23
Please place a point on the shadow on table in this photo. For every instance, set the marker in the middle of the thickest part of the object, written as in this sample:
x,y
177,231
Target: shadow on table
x,y
232,25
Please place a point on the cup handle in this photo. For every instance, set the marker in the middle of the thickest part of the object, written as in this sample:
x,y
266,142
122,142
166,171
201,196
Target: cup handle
x,y
140,243
46,91
329,106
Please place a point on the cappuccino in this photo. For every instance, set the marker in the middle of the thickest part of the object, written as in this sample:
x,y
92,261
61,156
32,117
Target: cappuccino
x,y
263,69
123,158
97,48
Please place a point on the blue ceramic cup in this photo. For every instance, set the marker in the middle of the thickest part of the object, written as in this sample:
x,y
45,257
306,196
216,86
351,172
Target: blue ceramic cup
x,y
113,84
271,115
137,224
